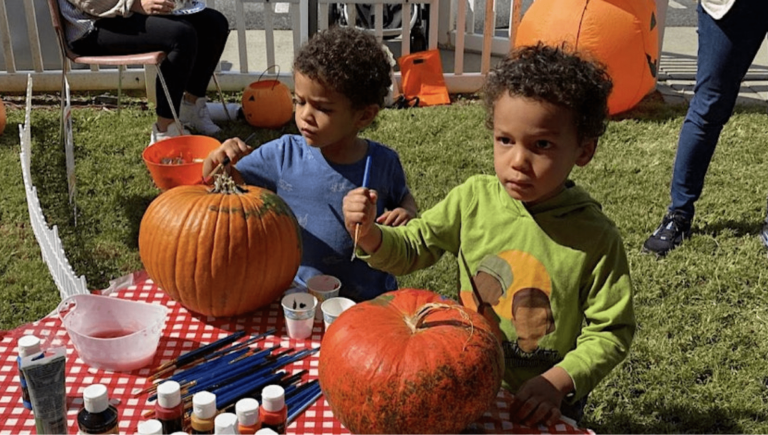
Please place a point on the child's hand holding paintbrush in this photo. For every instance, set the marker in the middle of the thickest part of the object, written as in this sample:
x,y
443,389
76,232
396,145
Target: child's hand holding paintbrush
x,y
360,216
219,159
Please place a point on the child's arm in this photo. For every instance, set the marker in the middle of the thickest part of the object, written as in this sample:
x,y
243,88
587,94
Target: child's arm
x,y
359,218
604,340
609,327
402,214
538,400
232,148
420,244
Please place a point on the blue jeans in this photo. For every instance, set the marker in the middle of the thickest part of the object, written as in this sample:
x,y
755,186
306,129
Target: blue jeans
x,y
727,48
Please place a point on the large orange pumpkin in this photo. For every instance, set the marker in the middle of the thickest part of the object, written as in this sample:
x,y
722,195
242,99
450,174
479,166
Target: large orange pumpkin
x,y
267,104
622,34
409,361
2,117
220,253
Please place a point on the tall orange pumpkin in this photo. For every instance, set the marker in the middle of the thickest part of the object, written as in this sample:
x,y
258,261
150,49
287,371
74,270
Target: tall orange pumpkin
x,y
220,252
622,34
267,104
409,361
2,117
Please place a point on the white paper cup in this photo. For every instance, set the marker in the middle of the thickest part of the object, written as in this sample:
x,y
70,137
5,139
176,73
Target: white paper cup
x,y
333,307
323,287
299,310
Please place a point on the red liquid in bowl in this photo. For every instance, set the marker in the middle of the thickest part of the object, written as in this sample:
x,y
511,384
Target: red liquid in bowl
x,y
111,333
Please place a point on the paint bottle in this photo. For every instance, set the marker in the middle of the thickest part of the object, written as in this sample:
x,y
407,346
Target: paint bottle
x,y
97,415
273,412
266,431
203,412
150,427
225,423
28,345
247,411
168,407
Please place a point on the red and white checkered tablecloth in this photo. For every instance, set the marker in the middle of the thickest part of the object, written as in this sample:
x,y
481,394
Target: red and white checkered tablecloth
x,y
185,331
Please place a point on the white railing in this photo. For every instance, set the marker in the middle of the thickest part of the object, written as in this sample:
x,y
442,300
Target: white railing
x,y
51,248
29,45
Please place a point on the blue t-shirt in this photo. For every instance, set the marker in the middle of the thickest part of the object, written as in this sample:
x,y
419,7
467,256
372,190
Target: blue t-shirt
x,y
314,188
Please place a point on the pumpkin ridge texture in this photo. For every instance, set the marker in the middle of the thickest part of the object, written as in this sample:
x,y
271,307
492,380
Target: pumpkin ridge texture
x,y
410,361
220,254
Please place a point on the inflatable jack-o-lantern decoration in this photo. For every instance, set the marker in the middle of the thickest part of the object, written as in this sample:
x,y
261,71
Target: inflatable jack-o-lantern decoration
x,y
267,104
2,117
622,34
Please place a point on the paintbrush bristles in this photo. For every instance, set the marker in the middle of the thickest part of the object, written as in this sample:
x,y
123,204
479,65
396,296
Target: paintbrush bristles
x,y
161,373
354,247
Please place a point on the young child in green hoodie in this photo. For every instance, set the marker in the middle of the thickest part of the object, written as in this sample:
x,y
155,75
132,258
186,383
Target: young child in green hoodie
x,y
549,266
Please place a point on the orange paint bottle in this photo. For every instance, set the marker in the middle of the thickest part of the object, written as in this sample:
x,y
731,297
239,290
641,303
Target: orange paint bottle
x,y
273,412
247,411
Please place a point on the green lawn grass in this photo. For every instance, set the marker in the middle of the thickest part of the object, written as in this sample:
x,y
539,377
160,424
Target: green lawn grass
x,y
698,362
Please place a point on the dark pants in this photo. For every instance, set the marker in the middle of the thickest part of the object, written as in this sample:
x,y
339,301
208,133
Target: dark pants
x,y
727,48
574,411
193,44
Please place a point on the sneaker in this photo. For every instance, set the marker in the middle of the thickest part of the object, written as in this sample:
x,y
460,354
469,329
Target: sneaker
x,y
172,131
764,233
669,235
196,116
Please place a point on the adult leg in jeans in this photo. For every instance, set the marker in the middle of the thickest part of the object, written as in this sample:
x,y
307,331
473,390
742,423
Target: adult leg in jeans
x,y
727,47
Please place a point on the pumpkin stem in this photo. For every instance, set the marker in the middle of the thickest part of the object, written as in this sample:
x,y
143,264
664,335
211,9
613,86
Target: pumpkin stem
x,y
224,183
415,322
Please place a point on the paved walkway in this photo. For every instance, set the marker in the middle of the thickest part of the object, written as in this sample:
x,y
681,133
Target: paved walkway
x,y
677,69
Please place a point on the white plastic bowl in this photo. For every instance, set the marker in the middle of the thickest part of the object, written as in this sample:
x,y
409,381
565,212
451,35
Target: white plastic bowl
x,y
111,333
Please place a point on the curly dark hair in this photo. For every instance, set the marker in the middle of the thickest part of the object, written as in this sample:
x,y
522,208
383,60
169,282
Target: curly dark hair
x,y
349,61
558,76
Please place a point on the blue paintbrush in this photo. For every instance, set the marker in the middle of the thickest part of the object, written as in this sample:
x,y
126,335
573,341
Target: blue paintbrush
x,y
197,353
365,184
293,414
307,390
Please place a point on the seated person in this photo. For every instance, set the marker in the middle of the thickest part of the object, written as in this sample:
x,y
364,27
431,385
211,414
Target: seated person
x,y
193,44
549,266
341,78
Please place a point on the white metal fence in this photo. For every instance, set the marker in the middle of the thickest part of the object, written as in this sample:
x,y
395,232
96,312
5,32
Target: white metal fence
x,y
29,45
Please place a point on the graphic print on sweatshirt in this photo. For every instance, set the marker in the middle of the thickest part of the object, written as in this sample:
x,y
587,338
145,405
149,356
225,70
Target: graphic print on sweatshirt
x,y
518,288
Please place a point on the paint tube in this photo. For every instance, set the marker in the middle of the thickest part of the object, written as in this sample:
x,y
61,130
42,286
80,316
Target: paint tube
x,y
47,389
28,345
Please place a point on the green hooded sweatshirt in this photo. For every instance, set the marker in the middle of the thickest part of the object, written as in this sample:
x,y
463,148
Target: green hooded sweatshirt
x,y
559,267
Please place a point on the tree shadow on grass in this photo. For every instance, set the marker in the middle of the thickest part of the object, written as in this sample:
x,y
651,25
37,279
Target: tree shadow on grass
x,y
98,258
133,208
675,419
738,227
653,108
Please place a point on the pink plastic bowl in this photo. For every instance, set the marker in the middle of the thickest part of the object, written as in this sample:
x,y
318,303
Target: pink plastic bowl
x,y
111,333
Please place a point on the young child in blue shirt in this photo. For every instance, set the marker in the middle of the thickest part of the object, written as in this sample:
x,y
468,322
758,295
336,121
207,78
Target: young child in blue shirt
x,y
341,76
